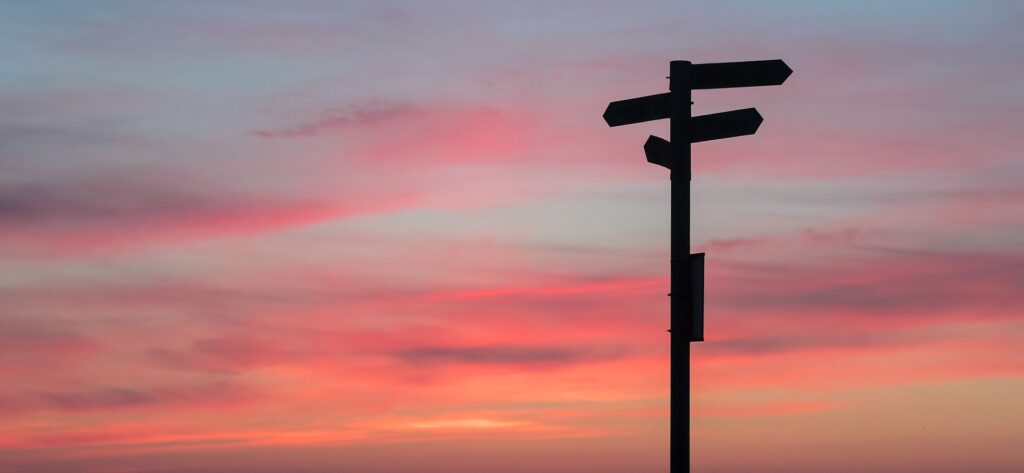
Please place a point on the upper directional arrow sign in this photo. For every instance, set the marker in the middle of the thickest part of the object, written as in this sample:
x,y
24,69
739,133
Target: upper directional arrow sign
x,y
724,125
719,75
640,109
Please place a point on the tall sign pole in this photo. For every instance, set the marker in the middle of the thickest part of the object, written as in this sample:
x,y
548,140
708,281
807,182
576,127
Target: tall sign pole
x,y
680,306
687,270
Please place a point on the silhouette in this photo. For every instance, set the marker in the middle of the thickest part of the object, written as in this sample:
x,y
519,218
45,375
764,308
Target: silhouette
x,y
687,270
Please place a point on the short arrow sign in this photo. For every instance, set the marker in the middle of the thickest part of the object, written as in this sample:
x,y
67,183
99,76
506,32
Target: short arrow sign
x,y
720,75
658,151
640,109
724,125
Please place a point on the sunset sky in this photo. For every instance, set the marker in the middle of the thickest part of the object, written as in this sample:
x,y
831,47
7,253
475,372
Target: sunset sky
x,y
398,237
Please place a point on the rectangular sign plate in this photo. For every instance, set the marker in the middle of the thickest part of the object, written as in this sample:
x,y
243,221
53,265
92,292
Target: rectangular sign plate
x,y
697,296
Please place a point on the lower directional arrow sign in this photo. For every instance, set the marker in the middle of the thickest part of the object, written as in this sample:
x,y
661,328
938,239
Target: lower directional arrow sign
x,y
724,125
705,128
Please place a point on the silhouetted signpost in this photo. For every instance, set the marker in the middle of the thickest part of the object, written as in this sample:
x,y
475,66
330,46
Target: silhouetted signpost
x,y
687,271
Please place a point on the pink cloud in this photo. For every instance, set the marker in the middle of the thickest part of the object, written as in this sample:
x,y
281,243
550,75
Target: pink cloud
x,y
72,221
423,134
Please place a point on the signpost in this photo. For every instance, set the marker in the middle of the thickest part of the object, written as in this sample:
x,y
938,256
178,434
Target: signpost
x,y
687,271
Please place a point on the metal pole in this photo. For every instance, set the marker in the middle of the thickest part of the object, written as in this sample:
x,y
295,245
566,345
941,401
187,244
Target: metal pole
x,y
681,287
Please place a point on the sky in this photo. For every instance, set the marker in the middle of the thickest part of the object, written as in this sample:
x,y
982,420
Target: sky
x,y
398,237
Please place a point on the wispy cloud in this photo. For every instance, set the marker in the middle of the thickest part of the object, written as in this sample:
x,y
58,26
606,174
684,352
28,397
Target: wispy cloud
x,y
501,355
337,119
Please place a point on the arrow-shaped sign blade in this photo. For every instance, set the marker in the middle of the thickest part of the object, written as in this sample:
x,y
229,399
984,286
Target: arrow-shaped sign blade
x,y
720,75
640,109
658,151
724,125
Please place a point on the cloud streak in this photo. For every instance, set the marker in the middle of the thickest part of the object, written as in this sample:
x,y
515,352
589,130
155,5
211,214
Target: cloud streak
x,y
507,355
340,119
